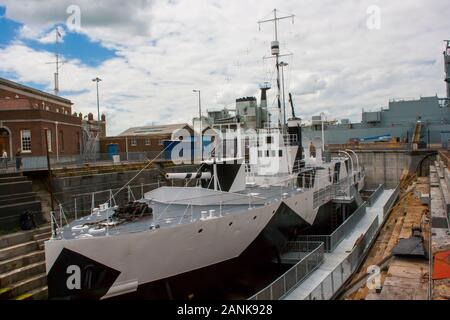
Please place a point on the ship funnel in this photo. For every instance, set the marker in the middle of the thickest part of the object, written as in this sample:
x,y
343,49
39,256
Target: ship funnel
x,y
264,87
447,66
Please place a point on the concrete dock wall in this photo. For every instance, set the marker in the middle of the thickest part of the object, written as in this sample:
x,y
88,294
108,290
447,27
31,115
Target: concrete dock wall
x,y
387,166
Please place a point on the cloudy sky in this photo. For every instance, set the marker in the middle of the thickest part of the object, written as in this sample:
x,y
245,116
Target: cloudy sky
x,y
347,55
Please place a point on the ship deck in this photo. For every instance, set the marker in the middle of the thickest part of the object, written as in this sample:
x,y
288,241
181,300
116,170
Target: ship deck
x,y
172,214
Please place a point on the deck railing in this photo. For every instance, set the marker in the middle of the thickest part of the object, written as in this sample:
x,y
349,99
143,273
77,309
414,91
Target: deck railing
x,y
331,241
296,274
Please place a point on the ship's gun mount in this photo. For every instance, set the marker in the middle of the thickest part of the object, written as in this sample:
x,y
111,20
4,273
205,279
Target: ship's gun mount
x,y
132,211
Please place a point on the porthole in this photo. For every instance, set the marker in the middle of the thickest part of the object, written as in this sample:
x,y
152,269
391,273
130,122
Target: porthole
x,y
200,231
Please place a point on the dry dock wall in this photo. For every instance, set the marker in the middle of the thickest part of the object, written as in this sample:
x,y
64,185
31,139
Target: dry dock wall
x,y
386,166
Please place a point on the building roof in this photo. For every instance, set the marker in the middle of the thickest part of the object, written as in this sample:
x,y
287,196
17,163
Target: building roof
x,y
167,129
18,86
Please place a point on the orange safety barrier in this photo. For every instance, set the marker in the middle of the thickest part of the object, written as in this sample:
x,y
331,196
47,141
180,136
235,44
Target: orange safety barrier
x,y
441,268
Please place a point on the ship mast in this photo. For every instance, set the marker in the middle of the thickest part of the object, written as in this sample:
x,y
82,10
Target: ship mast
x,y
57,62
275,49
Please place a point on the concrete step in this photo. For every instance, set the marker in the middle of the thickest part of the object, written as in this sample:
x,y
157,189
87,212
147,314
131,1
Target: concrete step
x,y
445,193
22,236
10,174
12,179
24,286
46,228
17,275
18,206
21,261
42,236
16,187
40,293
18,198
10,214
41,243
18,250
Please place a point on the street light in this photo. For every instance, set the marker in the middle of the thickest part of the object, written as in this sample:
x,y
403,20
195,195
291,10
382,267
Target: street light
x,y
97,80
200,117
282,65
322,115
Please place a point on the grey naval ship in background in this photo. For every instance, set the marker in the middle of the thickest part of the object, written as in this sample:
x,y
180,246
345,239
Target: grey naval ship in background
x,y
235,218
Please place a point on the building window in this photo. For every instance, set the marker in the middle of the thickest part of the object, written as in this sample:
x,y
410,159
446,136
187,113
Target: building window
x,y
133,142
48,134
57,110
61,140
160,142
25,137
147,141
280,153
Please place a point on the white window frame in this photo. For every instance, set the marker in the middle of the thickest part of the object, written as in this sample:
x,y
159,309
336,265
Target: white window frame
x,y
21,140
160,142
148,142
133,142
48,134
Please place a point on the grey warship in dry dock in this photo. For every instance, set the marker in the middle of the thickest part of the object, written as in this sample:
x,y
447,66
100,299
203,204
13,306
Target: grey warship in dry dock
x,y
191,242
183,241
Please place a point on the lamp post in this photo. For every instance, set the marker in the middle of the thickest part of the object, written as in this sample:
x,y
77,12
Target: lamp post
x,y
282,65
97,80
200,118
322,115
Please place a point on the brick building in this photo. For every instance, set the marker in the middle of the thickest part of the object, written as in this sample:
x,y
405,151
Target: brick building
x,y
148,139
29,116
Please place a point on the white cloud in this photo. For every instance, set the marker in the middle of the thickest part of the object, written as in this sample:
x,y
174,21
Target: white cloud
x,y
167,48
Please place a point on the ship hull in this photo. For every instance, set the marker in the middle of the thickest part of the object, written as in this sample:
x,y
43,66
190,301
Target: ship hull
x,y
121,264
186,260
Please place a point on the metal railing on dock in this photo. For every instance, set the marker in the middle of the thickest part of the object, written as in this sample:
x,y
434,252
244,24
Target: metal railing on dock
x,y
375,195
31,163
388,205
296,274
331,241
328,288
